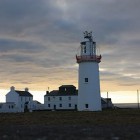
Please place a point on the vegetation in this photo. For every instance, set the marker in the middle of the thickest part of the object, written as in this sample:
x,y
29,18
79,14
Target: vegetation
x,y
115,117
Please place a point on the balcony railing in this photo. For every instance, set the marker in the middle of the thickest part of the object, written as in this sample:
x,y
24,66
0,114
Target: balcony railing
x,y
88,58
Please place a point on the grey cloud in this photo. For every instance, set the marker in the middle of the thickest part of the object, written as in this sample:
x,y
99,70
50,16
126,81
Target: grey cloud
x,y
17,58
21,46
17,11
44,36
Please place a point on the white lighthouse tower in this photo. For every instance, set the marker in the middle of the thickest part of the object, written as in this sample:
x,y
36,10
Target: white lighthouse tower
x,y
89,85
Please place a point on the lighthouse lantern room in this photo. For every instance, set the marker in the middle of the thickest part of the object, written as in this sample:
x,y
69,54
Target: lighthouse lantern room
x,y
89,98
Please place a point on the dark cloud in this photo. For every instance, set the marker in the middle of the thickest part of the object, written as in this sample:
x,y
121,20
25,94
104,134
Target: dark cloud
x,y
7,45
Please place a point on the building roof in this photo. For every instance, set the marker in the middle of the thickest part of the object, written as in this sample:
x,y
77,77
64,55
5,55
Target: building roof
x,y
105,100
64,90
57,93
67,86
24,93
36,101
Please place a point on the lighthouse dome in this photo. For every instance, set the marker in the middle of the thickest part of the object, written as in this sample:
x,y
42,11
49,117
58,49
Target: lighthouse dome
x,y
88,50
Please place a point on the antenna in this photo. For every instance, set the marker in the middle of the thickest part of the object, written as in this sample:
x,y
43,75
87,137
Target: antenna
x,y
88,35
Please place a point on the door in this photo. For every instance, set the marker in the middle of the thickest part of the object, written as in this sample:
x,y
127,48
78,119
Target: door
x,y
54,107
75,107
26,109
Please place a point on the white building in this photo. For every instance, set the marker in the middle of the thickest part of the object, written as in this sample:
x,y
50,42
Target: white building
x,y
66,98
8,107
21,99
88,82
63,99
106,103
35,105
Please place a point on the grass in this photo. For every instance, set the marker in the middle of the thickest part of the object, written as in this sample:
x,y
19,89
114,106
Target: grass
x,y
115,117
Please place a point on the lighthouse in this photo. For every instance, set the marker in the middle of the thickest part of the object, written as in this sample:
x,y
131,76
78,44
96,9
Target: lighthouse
x,y
89,98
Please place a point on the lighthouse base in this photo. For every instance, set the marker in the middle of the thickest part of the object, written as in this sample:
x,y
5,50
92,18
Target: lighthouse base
x,y
89,98
91,109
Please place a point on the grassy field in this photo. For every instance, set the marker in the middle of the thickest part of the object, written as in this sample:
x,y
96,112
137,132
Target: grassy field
x,y
71,125
118,116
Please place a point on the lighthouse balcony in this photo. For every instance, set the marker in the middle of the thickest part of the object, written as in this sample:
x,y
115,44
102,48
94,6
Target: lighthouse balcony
x,y
88,58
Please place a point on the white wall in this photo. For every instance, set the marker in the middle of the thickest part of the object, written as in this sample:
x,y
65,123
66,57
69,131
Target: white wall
x,y
8,108
22,100
19,101
12,96
36,106
55,100
89,93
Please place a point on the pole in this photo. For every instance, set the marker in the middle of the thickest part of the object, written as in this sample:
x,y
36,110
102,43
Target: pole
x,y
138,98
107,99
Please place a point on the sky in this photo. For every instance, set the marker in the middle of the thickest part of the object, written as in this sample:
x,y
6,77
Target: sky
x,y
40,38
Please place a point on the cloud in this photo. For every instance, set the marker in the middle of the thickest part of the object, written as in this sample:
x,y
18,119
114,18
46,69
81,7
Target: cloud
x,y
39,41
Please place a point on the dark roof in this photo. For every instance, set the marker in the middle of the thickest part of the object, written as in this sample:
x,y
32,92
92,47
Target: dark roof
x,y
67,86
24,93
37,101
57,93
105,100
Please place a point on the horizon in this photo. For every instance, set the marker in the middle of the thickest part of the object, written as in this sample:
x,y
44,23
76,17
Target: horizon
x,y
116,97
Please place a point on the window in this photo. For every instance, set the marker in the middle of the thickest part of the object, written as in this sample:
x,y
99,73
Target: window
x,y
85,49
9,106
60,98
86,80
69,98
12,106
69,105
48,98
49,105
60,105
86,105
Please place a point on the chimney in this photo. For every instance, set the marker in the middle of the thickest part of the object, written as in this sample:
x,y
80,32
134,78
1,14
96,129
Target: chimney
x,y
47,92
26,89
12,88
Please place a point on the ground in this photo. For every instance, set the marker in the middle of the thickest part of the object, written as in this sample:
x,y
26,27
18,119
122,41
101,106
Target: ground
x,y
71,125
